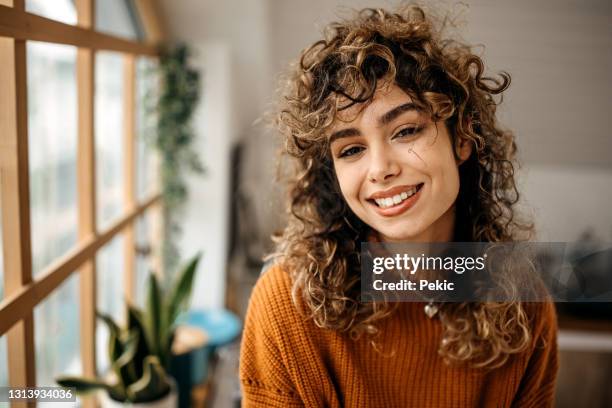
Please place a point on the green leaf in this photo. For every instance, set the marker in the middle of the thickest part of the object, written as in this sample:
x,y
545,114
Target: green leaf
x,y
115,347
80,384
84,386
110,323
117,392
178,299
136,322
167,355
124,366
153,384
154,313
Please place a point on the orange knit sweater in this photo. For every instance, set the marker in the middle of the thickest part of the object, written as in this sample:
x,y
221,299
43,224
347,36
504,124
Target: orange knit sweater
x,y
287,361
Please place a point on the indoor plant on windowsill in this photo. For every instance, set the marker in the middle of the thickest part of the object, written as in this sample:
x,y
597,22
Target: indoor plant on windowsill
x,y
140,353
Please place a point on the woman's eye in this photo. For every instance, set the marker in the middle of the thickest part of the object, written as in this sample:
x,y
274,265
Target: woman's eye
x,y
350,151
407,132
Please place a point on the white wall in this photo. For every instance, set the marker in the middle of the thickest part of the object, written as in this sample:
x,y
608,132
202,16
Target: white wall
x,y
559,55
568,200
230,42
206,214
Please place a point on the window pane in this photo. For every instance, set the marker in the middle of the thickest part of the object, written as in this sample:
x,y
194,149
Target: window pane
x,y
52,130
57,333
147,161
109,137
60,10
110,293
118,17
3,362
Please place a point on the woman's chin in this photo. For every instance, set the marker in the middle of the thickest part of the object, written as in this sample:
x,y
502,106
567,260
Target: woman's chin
x,y
399,236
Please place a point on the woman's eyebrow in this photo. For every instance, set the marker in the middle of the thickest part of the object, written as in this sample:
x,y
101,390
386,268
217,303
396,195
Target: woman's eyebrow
x,y
395,112
383,120
349,132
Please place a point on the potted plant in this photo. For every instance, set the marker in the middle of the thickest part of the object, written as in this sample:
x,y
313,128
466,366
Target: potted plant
x,y
140,353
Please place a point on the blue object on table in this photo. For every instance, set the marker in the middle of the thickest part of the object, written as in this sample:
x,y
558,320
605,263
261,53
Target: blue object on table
x,y
221,327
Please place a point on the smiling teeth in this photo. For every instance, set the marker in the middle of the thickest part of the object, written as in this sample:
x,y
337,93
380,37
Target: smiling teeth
x,y
396,199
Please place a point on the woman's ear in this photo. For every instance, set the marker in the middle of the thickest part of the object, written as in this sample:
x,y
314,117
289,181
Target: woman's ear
x,y
463,147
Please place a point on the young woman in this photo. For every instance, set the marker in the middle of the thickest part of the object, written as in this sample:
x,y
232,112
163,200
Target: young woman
x,y
395,138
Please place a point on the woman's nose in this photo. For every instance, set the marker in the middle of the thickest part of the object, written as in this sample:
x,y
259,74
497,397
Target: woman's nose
x,y
382,166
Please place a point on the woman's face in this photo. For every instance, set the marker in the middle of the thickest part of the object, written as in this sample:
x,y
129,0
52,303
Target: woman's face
x,y
396,168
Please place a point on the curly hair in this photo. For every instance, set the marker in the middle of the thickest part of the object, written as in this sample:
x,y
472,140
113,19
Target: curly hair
x,y
445,79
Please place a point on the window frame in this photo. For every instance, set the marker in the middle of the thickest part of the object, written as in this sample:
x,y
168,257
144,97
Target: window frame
x,y
22,292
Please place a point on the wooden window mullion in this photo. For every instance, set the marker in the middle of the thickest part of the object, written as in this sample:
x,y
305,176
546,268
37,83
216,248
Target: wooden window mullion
x,y
20,25
129,170
14,182
149,13
86,178
14,307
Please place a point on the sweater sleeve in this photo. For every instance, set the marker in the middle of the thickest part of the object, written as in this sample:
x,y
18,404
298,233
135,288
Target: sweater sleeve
x,y
265,380
537,388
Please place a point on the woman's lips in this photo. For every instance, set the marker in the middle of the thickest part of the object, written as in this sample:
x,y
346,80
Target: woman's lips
x,y
398,208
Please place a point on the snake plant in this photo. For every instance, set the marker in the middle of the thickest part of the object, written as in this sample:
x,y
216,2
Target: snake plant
x,y
140,353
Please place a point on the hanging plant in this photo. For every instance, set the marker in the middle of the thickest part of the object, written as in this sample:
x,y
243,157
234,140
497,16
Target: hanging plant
x,y
174,139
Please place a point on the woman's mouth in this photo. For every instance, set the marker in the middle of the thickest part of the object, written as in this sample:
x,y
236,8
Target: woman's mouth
x,y
398,203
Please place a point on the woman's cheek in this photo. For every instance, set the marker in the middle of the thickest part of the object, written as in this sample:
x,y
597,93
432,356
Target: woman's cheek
x,y
347,188
452,185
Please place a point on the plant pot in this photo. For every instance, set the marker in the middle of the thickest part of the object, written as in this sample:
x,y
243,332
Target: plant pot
x,y
169,401
189,360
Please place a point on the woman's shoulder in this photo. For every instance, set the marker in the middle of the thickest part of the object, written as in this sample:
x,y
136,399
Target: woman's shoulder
x,y
273,285
271,300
